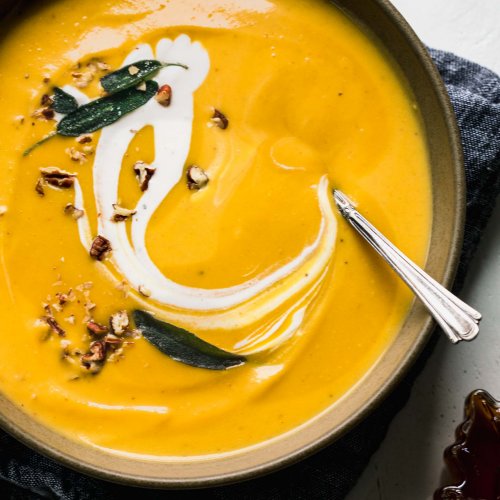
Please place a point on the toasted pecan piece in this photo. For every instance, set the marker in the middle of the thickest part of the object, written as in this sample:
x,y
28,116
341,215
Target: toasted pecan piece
x,y
197,178
143,173
101,246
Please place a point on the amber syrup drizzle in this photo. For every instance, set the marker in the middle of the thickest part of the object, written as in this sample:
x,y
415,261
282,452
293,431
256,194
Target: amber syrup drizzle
x,y
474,459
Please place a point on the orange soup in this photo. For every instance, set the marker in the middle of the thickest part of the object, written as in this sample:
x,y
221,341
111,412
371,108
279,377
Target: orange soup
x,y
176,279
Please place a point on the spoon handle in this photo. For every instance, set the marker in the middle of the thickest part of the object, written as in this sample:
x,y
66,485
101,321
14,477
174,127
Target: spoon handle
x,y
458,320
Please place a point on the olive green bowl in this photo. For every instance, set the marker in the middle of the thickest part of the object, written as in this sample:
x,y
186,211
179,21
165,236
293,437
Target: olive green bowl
x,y
398,39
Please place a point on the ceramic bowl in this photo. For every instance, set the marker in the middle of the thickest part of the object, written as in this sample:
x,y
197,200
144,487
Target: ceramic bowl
x,y
385,24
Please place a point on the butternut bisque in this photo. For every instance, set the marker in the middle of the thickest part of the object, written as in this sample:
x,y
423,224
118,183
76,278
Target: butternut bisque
x,y
201,216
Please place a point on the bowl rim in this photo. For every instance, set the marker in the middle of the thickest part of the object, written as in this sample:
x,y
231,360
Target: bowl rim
x,y
384,389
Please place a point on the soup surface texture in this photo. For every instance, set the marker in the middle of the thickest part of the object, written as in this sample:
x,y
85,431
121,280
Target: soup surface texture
x,y
255,261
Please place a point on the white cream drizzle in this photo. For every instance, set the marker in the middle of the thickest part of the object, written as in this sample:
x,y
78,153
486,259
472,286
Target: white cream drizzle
x,y
223,308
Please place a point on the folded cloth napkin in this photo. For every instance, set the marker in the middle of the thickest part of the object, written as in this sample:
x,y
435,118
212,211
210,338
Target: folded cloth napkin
x,y
331,473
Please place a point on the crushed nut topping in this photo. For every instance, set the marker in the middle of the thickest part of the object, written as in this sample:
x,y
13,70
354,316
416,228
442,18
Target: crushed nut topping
x,y
219,119
47,100
83,79
144,291
76,155
124,287
87,285
94,359
143,173
71,319
100,248
53,325
164,95
76,213
65,343
119,322
133,70
113,339
84,139
96,65
44,113
64,298
54,177
197,178
39,187
142,86
120,214
96,328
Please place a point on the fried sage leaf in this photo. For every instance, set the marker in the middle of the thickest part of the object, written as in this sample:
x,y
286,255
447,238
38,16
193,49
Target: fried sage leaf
x,y
183,346
105,111
132,75
63,102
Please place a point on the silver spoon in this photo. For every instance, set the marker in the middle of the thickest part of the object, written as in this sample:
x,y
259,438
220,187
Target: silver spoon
x,y
458,320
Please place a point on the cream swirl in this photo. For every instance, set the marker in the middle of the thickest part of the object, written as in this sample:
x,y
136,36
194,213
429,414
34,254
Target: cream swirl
x,y
229,307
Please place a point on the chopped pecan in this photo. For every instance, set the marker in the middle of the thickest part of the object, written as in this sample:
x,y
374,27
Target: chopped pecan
x,y
71,319
84,139
56,177
76,155
94,359
219,119
44,113
96,328
47,100
113,340
119,322
197,178
39,187
53,325
124,287
65,343
116,355
146,292
76,213
164,95
143,173
102,66
86,286
96,65
100,248
83,79
120,214
63,298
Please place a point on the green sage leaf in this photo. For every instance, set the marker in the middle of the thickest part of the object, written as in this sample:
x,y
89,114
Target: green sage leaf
x,y
64,103
183,346
132,75
105,111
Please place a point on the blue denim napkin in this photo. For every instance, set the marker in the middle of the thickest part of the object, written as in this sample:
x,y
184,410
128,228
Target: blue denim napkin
x,y
331,473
